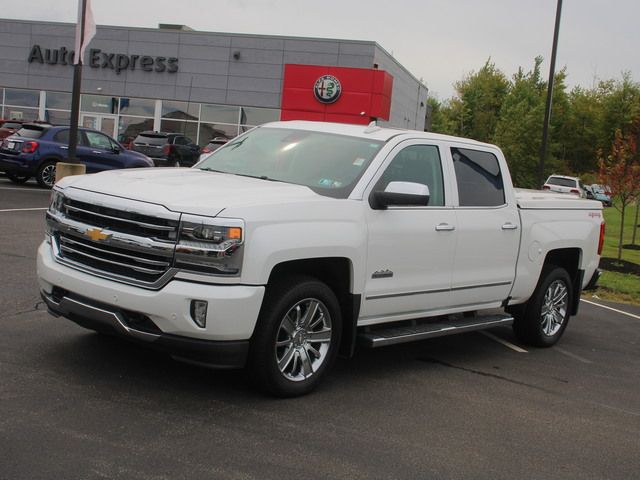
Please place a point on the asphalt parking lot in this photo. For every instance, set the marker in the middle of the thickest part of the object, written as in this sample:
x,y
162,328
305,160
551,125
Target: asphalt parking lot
x,y
75,404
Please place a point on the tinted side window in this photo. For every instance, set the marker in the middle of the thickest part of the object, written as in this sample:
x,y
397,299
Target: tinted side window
x,y
418,164
62,136
479,178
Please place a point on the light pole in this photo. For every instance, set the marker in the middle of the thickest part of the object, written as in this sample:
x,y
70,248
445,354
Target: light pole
x,y
547,110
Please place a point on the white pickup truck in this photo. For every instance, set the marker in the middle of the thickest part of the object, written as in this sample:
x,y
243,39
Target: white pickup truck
x,y
299,240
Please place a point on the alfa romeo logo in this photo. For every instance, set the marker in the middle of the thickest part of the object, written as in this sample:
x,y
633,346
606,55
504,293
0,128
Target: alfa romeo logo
x,y
327,89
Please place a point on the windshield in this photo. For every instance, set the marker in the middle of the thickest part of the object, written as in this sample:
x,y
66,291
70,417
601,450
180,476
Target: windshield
x,y
329,164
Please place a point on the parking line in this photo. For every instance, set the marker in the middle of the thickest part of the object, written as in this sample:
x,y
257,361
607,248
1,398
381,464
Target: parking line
x,y
26,190
503,342
612,309
22,209
572,355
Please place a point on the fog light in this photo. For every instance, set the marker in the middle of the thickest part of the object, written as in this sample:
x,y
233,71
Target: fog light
x,y
199,312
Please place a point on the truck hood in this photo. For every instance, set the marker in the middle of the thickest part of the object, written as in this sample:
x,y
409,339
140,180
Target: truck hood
x,y
190,190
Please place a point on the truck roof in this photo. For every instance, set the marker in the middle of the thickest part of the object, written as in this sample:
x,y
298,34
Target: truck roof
x,y
370,131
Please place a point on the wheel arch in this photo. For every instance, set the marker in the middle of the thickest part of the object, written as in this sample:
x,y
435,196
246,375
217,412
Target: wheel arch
x,y
337,273
569,259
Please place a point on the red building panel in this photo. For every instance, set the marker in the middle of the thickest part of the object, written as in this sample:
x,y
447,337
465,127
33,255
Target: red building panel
x,y
309,93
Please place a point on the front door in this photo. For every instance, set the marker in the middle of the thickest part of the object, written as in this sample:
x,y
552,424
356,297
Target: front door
x,y
411,249
103,123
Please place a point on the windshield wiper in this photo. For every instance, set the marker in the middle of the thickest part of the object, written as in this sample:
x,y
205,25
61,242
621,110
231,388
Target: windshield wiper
x,y
207,169
261,177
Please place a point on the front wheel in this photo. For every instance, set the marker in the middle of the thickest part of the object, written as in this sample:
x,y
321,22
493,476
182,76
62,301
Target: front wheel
x,y
297,336
546,315
46,175
19,179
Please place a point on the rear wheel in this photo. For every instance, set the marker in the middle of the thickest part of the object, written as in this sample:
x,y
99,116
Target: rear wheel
x,y
19,179
297,337
46,175
545,317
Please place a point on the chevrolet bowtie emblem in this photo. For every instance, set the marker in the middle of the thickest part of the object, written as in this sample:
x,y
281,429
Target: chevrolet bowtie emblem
x,y
96,234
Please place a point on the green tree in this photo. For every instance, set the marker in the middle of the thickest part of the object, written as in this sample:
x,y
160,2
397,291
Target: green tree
x,y
620,107
480,98
519,128
581,130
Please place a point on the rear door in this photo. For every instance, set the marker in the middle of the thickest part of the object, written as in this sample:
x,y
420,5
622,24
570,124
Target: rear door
x,y
488,228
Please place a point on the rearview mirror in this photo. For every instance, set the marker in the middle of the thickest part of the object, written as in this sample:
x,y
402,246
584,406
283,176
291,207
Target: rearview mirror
x,y
400,194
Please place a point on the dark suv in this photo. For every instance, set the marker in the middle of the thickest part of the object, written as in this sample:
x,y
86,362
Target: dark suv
x,y
34,150
167,149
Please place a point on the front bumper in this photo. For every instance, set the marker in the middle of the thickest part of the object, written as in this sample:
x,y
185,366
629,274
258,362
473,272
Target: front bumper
x,y
162,317
106,319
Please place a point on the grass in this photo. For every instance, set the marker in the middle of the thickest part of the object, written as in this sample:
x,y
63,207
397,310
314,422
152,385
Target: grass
x,y
613,286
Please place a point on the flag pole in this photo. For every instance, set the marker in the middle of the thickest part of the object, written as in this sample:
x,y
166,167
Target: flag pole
x,y
77,82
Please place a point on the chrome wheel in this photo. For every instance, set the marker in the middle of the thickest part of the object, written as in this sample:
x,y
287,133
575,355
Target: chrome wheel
x,y
554,307
48,174
303,339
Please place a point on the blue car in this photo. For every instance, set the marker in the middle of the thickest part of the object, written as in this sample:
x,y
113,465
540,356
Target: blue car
x,y
34,150
600,193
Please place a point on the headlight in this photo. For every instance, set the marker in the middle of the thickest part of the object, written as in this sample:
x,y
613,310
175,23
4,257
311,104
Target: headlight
x,y
210,245
56,204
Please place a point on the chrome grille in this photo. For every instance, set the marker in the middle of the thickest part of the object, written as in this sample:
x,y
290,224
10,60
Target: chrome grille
x,y
128,241
121,221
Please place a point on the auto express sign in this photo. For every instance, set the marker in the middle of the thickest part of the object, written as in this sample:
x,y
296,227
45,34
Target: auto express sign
x,y
99,59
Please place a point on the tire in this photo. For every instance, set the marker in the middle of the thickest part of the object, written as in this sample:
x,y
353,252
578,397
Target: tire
x,y
546,315
19,179
46,175
283,358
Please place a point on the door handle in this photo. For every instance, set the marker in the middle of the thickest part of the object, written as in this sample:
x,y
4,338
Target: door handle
x,y
63,147
445,227
509,226
96,151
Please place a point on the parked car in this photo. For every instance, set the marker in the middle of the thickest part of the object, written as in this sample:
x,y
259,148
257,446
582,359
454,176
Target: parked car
x,y
9,127
564,184
34,150
600,194
167,149
212,146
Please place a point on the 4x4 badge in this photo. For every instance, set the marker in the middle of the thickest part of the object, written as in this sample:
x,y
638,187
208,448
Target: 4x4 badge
x,y
96,234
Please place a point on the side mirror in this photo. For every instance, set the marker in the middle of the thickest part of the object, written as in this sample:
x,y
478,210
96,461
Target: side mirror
x,y
116,149
400,194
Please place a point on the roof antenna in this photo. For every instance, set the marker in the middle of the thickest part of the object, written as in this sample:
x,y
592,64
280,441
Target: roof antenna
x,y
372,127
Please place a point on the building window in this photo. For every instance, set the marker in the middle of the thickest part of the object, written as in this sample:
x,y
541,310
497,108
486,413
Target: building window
x,y
22,98
58,100
142,107
180,110
188,129
209,131
253,116
98,104
219,114
130,127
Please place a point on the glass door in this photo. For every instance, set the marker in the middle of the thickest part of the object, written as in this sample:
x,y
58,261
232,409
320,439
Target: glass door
x,y
102,123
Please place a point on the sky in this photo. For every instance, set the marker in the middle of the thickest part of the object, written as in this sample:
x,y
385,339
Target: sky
x,y
438,41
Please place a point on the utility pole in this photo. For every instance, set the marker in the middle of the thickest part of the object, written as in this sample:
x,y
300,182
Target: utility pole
x,y
75,95
547,110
